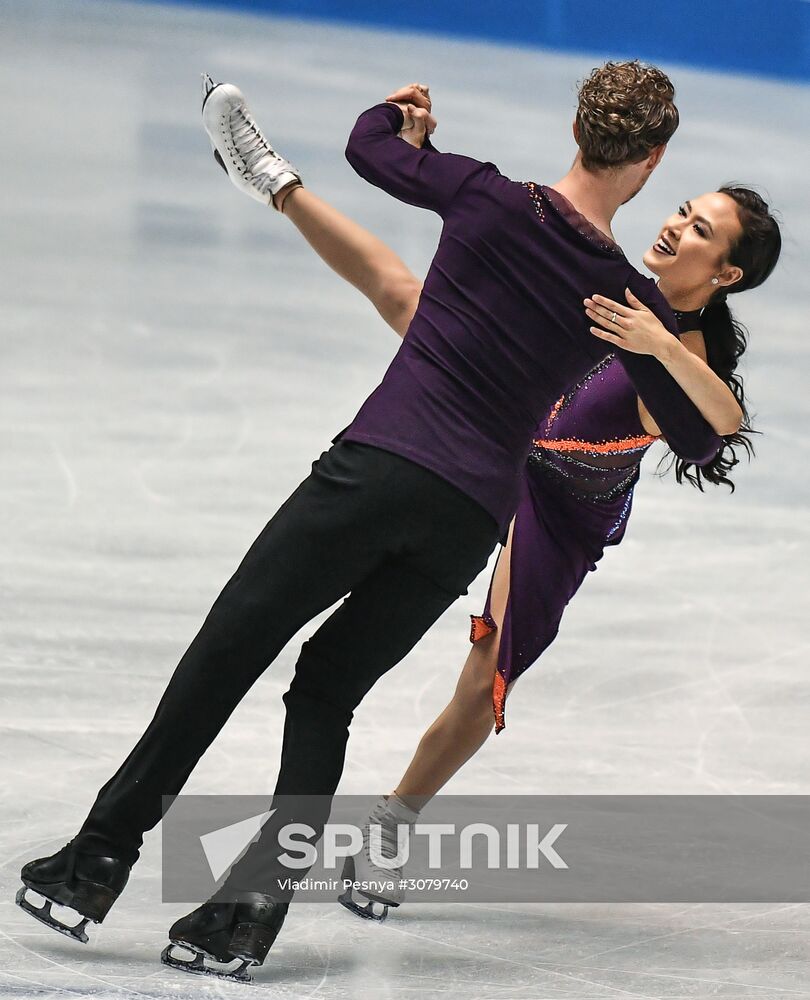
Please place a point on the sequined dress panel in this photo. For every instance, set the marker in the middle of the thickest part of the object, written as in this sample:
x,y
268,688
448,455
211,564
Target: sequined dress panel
x,y
572,450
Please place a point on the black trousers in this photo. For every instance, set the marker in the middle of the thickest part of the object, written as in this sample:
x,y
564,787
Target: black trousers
x,y
399,540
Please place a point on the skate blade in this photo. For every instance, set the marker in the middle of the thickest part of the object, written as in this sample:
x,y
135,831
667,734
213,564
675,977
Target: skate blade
x,y
44,916
208,86
219,160
368,909
198,967
208,90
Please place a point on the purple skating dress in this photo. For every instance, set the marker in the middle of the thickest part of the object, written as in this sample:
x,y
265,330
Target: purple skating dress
x,y
575,499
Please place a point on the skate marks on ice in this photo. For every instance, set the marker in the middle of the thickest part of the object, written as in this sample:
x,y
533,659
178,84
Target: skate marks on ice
x,y
176,358
573,951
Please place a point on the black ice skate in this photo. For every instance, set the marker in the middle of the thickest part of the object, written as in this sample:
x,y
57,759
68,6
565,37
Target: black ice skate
x,y
87,884
231,936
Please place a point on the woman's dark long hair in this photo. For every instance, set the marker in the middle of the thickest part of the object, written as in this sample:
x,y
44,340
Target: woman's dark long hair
x,y
756,252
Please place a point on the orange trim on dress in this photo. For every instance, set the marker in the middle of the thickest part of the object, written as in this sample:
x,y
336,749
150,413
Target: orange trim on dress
x,y
499,701
481,625
554,411
604,447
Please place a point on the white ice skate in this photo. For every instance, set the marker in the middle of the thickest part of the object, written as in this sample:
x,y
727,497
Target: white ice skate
x,y
381,840
239,146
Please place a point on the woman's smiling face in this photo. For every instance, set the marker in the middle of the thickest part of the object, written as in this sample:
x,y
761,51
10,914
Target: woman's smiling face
x,y
694,244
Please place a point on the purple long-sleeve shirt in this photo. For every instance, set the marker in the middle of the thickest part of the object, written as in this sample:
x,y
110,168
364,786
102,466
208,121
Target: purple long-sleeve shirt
x,y
500,330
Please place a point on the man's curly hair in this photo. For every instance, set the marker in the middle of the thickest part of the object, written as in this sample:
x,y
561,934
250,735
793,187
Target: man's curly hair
x,y
625,110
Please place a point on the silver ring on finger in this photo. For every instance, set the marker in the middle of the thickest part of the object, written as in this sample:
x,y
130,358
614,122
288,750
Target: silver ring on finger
x,y
613,318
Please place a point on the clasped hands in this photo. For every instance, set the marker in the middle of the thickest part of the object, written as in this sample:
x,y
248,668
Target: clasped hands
x,y
414,101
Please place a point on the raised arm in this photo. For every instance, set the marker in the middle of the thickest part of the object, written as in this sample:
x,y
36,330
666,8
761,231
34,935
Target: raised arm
x,y
686,429
351,251
422,177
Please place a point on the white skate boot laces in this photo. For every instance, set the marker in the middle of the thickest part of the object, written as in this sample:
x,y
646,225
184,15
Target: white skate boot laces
x,y
262,163
386,834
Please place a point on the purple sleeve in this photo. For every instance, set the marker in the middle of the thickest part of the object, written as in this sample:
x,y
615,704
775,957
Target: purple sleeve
x,y
684,427
422,177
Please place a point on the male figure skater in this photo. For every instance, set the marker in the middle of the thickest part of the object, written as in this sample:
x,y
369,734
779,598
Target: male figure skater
x,y
403,511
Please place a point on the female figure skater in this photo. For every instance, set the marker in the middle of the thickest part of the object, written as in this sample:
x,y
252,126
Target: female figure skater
x,y
584,464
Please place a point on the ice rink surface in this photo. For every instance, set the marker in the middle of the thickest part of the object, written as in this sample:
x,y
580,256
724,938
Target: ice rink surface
x,y
175,357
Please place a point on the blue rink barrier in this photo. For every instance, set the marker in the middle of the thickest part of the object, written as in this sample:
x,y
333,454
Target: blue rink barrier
x,y
764,37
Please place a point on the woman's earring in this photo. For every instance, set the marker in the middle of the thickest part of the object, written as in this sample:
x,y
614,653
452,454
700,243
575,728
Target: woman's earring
x,y
715,281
